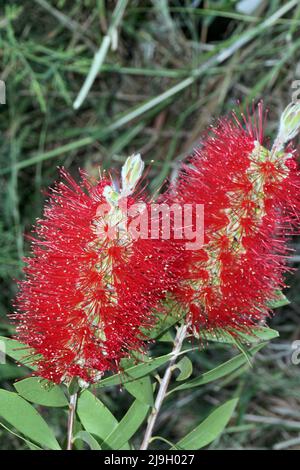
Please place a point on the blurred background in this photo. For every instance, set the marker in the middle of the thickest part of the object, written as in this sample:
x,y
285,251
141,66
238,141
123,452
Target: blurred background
x,y
164,71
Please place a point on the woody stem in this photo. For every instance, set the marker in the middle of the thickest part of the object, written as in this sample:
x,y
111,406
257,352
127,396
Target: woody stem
x,y
179,338
71,416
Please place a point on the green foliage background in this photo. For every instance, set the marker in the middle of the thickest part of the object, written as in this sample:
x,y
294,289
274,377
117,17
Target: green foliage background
x,y
46,50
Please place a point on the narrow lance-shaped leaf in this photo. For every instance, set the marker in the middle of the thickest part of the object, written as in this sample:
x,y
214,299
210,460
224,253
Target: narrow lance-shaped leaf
x,y
253,335
134,372
30,444
40,391
128,426
141,389
218,372
18,351
95,416
281,301
209,429
24,417
88,439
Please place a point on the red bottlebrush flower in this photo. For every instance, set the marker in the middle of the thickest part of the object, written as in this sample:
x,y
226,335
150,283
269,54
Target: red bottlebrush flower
x,y
87,295
251,199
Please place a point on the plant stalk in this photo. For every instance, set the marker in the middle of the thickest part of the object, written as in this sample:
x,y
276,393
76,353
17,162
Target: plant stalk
x,y
102,52
179,338
71,416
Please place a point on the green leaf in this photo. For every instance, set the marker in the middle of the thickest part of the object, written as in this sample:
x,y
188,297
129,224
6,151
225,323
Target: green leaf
x,y
162,439
220,371
164,323
209,429
11,371
166,337
88,439
41,391
95,416
255,335
24,417
128,425
134,372
30,444
241,347
281,301
186,368
18,351
259,333
141,389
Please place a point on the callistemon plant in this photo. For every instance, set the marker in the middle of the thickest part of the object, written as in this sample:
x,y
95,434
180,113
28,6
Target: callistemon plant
x,y
109,270
90,287
251,199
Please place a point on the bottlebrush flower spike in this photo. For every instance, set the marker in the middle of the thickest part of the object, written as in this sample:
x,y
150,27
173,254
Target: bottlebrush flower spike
x,y
88,294
251,198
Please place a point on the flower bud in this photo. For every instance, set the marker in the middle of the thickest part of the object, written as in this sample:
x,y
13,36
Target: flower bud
x,y
289,125
131,173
